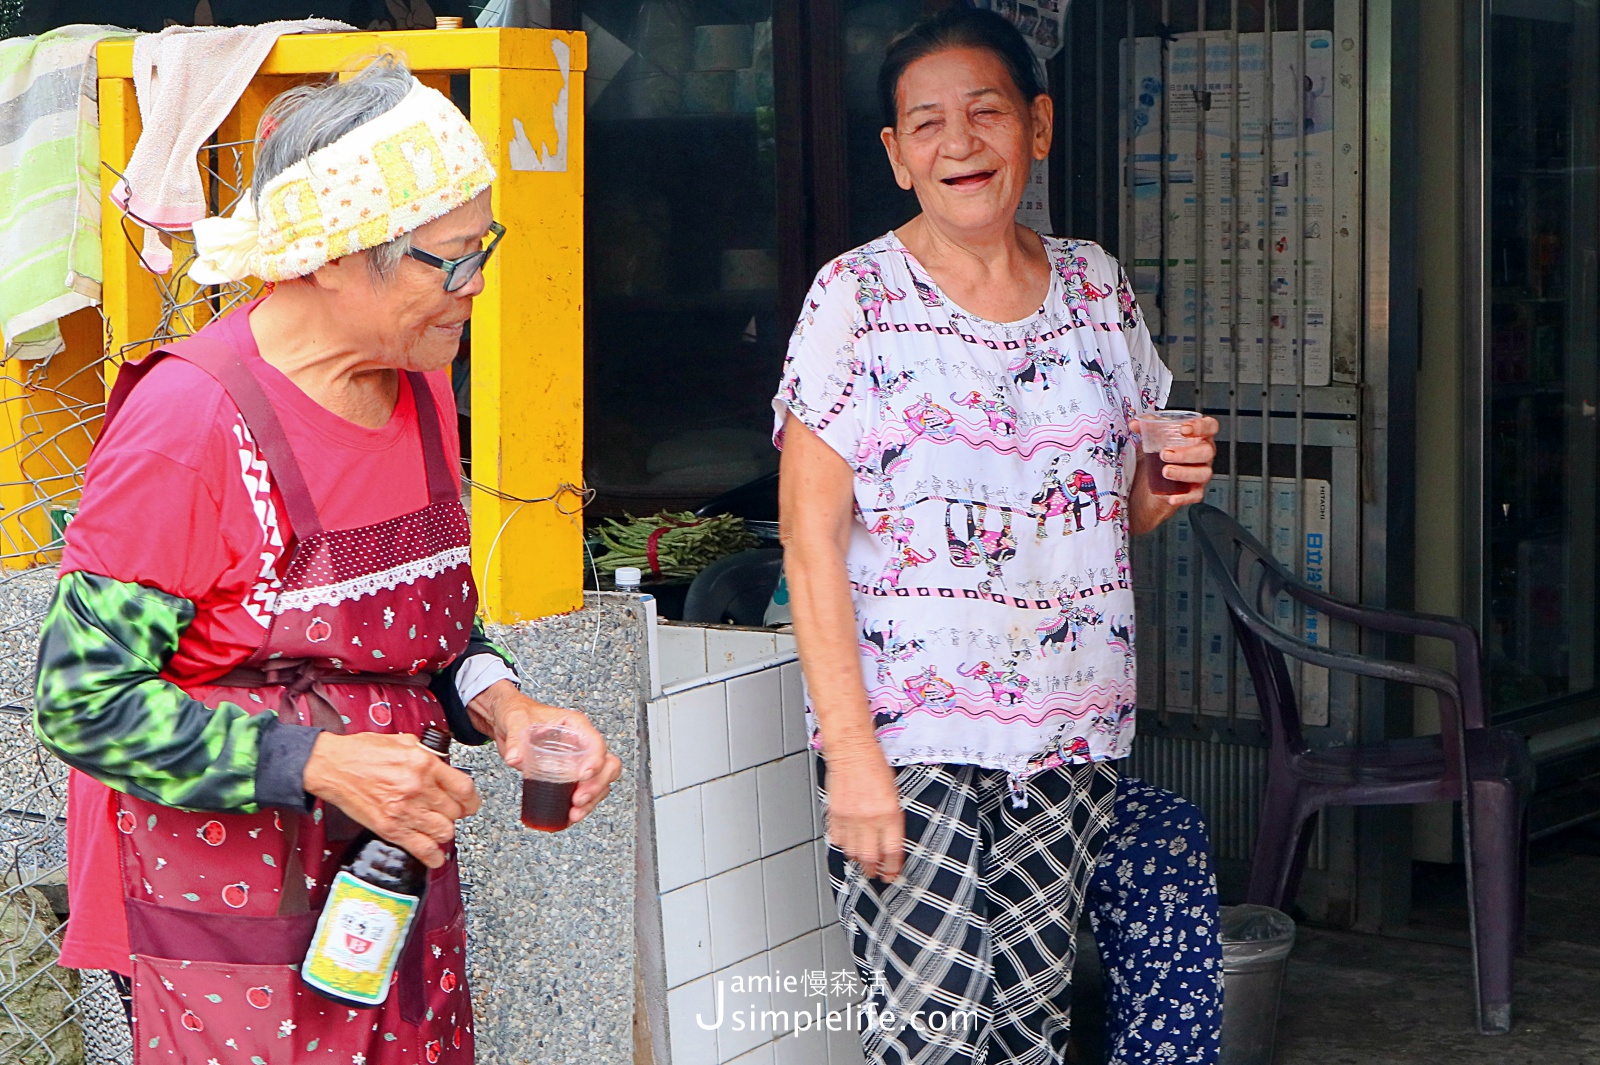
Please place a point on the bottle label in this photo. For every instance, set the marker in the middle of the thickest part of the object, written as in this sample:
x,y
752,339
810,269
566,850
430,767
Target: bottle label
x,y
358,939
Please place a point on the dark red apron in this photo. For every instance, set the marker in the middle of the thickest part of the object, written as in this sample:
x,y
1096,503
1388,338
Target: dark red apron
x,y
221,907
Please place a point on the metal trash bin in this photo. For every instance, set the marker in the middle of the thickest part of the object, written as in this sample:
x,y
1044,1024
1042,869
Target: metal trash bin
x,y
1256,941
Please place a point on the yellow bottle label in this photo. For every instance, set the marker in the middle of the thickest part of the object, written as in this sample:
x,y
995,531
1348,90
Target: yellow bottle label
x,y
358,940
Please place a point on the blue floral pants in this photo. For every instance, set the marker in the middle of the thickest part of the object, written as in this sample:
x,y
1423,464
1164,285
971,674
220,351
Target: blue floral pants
x,y
1152,905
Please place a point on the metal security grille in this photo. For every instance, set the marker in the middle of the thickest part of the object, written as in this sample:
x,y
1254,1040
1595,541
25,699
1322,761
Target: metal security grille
x,y
1216,147
1229,146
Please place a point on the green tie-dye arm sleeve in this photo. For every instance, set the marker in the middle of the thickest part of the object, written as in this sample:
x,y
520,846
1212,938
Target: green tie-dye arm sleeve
x,y
480,642
101,705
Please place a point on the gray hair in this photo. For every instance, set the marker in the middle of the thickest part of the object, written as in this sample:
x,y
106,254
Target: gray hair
x,y
307,118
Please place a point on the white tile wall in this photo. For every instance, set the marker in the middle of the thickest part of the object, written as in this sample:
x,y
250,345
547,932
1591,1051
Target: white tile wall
x,y
827,908
744,893
836,957
732,821
795,958
727,648
844,1048
686,933
755,719
786,803
691,1044
655,715
762,1055
738,909
697,721
751,1002
681,651
807,1048
794,708
791,888
680,839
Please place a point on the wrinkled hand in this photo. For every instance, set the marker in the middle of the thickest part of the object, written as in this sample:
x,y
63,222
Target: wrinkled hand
x,y
510,714
865,819
1190,463
394,786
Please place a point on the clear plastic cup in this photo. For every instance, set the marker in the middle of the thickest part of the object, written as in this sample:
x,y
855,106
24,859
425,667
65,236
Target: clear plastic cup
x,y
552,757
1158,430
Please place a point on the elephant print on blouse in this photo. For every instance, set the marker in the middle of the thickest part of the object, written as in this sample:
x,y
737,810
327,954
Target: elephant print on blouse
x,y
981,545
872,294
898,529
1001,417
1007,685
886,648
927,688
927,418
1081,292
1034,367
883,454
1109,723
1067,500
1066,627
1121,641
1094,371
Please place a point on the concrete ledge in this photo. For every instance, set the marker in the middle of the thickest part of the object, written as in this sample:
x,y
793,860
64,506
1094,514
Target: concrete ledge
x,y
550,915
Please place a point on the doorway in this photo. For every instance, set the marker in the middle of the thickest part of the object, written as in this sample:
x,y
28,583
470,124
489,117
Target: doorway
x,y
1531,501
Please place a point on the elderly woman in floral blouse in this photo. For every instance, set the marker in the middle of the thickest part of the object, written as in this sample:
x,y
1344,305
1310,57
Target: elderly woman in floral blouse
x,y
958,490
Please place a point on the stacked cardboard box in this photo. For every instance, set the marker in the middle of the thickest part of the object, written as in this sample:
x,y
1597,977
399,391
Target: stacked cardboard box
x,y
1203,671
1234,222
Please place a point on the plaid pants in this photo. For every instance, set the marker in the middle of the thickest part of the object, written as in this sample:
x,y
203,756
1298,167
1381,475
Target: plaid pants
x,y
970,950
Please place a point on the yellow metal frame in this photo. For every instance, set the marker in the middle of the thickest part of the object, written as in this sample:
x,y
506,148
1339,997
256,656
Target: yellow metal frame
x,y
42,441
527,331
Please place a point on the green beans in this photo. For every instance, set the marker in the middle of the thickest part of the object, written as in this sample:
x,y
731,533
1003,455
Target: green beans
x,y
670,545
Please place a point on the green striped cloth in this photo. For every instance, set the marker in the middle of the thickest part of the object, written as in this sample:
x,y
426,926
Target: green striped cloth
x,y
49,185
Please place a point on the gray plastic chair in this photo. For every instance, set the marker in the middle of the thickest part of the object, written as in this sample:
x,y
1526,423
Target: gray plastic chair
x,y
1488,770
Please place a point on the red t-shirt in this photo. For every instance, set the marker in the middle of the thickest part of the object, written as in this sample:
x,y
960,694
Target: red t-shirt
x,y
176,498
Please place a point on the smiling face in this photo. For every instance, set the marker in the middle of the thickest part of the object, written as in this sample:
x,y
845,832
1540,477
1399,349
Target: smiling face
x,y
965,139
414,324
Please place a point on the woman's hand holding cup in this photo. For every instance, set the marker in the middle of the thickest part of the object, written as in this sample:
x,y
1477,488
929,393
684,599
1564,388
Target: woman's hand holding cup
x,y
511,714
1177,449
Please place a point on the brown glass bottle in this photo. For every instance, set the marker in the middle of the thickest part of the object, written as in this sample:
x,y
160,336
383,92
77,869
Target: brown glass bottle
x,y
370,909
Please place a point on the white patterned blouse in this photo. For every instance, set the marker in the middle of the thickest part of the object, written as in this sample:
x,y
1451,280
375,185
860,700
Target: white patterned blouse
x,y
989,559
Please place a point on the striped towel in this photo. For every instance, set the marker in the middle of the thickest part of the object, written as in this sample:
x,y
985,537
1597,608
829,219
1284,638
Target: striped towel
x,y
49,184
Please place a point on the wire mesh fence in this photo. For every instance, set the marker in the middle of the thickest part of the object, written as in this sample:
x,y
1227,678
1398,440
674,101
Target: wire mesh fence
x,y
50,413
48,1015
51,409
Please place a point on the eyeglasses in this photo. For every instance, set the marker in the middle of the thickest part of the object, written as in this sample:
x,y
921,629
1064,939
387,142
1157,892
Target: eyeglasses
x,y
458,273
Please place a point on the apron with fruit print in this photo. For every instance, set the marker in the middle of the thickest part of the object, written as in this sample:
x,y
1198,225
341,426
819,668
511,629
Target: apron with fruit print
x,y
221,907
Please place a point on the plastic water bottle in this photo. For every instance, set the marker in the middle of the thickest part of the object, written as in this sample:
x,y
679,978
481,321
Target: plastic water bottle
x,y
627,578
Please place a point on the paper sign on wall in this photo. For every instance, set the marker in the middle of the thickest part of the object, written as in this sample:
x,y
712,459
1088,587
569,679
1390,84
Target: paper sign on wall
x,y
1034,210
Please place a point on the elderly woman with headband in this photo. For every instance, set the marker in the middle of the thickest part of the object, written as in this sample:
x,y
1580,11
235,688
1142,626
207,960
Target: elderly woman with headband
x,y
958,491
266,597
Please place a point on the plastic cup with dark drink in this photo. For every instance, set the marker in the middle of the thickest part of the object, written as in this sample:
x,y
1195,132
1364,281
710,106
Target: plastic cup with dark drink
x,y
552,758
1158,430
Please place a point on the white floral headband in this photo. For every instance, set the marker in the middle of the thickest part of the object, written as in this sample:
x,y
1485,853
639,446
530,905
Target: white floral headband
x,y
413,163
